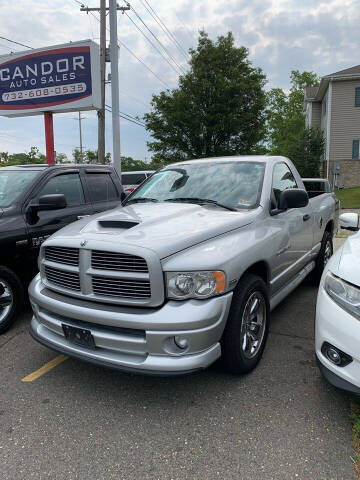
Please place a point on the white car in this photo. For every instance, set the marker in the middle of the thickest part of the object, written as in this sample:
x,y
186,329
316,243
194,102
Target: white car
x,y
337,324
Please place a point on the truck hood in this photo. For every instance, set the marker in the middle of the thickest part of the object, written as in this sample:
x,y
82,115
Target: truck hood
x,y
348,267
165,228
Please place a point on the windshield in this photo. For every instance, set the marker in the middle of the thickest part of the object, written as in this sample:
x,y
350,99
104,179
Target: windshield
x,y
13,183
234,184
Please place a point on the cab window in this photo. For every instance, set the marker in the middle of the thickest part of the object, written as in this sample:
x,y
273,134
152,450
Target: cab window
x,y
101,187
69,184
283,180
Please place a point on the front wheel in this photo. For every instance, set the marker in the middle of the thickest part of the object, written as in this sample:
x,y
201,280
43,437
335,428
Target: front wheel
x,y
11,298
247,328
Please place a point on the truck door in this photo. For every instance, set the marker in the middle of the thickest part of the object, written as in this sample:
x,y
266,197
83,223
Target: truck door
x,y
293,229
103,190
48,222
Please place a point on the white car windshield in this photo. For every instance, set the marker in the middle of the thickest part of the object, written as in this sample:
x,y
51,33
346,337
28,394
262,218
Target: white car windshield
x,y
13,183
232,184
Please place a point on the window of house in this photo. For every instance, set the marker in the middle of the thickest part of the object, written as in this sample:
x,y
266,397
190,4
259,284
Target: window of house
x,y
355,149
68,184
357,97
323,107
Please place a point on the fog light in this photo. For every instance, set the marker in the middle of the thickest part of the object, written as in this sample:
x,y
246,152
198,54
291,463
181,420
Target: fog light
x,y
335,355
181,342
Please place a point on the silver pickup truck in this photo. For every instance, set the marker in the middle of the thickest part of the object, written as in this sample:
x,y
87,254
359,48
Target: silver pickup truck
x,y
186,271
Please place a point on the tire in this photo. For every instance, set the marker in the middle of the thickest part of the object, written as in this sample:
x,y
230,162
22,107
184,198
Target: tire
x,y
238,335
326,250
11,291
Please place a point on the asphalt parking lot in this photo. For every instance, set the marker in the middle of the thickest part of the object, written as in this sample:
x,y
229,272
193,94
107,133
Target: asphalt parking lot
x,y
78,421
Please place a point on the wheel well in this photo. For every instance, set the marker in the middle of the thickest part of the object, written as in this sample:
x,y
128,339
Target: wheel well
x,y
330,227
260,269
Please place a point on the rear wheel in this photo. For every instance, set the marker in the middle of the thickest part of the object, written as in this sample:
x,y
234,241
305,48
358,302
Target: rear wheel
x,y
246,331
324,255
11,298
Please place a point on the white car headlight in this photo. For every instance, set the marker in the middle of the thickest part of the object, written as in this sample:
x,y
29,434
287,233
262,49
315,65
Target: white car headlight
x,y
343,293
181,285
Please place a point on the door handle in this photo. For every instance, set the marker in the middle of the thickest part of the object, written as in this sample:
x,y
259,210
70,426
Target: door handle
x,y
306,217
82,216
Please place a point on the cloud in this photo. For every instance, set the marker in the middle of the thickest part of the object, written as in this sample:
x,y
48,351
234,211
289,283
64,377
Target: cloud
x,y
281,35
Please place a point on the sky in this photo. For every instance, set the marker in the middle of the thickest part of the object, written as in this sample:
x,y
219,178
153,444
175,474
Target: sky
x,y
281,35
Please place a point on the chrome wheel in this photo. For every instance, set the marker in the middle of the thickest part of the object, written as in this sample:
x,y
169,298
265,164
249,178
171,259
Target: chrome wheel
x,y
253,325
6,299
328,252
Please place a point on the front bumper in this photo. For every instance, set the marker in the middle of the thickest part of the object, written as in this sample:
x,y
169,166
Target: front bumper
x,y
133,339
337,327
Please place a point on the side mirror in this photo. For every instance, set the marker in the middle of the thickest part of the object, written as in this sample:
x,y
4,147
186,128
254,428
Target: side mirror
x,y
349,221
293,198
54,201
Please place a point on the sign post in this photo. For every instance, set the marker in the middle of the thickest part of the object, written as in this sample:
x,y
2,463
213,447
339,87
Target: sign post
x,y
49,138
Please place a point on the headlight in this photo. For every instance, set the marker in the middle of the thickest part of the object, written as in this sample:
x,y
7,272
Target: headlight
x,y
181,285
343,293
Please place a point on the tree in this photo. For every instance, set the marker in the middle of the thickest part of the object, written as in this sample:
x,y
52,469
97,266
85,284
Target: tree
x,y
307,152
218,108
89,156
286,121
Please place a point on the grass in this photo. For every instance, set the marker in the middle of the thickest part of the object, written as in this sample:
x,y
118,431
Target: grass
x,y
349,197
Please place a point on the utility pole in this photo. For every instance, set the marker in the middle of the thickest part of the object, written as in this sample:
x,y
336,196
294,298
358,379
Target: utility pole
x,y
80,135
101,111
114,59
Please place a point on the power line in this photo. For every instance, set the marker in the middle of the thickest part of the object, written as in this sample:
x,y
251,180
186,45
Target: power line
x,y
160,43
152,44
17,43
162,25
125,118
128,115
128,49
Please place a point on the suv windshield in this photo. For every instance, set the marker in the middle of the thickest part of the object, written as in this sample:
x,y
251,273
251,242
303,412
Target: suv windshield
x,y
13,183
233,184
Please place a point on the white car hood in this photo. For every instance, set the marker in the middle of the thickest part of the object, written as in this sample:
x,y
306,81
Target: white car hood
x,y
348,265
165,228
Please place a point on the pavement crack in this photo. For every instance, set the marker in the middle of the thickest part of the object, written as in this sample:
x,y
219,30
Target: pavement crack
x,y
7,341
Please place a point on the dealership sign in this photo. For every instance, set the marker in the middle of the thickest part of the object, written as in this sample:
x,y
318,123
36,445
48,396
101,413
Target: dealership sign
x,y
61,78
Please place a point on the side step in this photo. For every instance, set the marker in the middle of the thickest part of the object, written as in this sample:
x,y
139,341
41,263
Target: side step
x,y
284,292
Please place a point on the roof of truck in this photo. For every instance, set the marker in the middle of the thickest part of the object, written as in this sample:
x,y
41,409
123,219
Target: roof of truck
x,y
234,158
43,166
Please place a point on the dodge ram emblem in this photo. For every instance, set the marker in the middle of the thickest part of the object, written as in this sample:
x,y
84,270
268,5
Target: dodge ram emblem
x,y
83,243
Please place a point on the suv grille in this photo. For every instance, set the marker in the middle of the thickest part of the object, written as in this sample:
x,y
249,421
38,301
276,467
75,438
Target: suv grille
x,y
65,255
120,262
63,279
116,287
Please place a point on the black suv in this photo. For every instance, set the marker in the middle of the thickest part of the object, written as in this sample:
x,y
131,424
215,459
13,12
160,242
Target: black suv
x,y
35,202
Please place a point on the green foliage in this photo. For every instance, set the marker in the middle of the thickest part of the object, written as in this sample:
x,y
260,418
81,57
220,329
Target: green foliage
x,y
286,122
89,156
307,151
32,157
218,108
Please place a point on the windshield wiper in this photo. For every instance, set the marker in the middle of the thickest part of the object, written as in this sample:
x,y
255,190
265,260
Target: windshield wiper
x,y
200,200
141,199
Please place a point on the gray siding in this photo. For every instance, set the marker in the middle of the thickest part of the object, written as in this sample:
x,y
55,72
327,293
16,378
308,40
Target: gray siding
x,y
316,114
323,118
345,120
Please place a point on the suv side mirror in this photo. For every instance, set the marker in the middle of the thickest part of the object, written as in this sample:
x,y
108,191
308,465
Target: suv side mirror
x,y
349,221
293,198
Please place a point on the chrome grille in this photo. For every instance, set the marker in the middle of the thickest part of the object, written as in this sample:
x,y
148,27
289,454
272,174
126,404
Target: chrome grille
x,y
68,280
119,262
120,287
64,255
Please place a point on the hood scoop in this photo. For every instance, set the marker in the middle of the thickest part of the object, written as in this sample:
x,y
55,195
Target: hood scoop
x,y
117,224
113,227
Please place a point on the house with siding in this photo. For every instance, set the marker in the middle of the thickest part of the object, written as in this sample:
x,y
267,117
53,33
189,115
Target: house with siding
x,y
334,106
